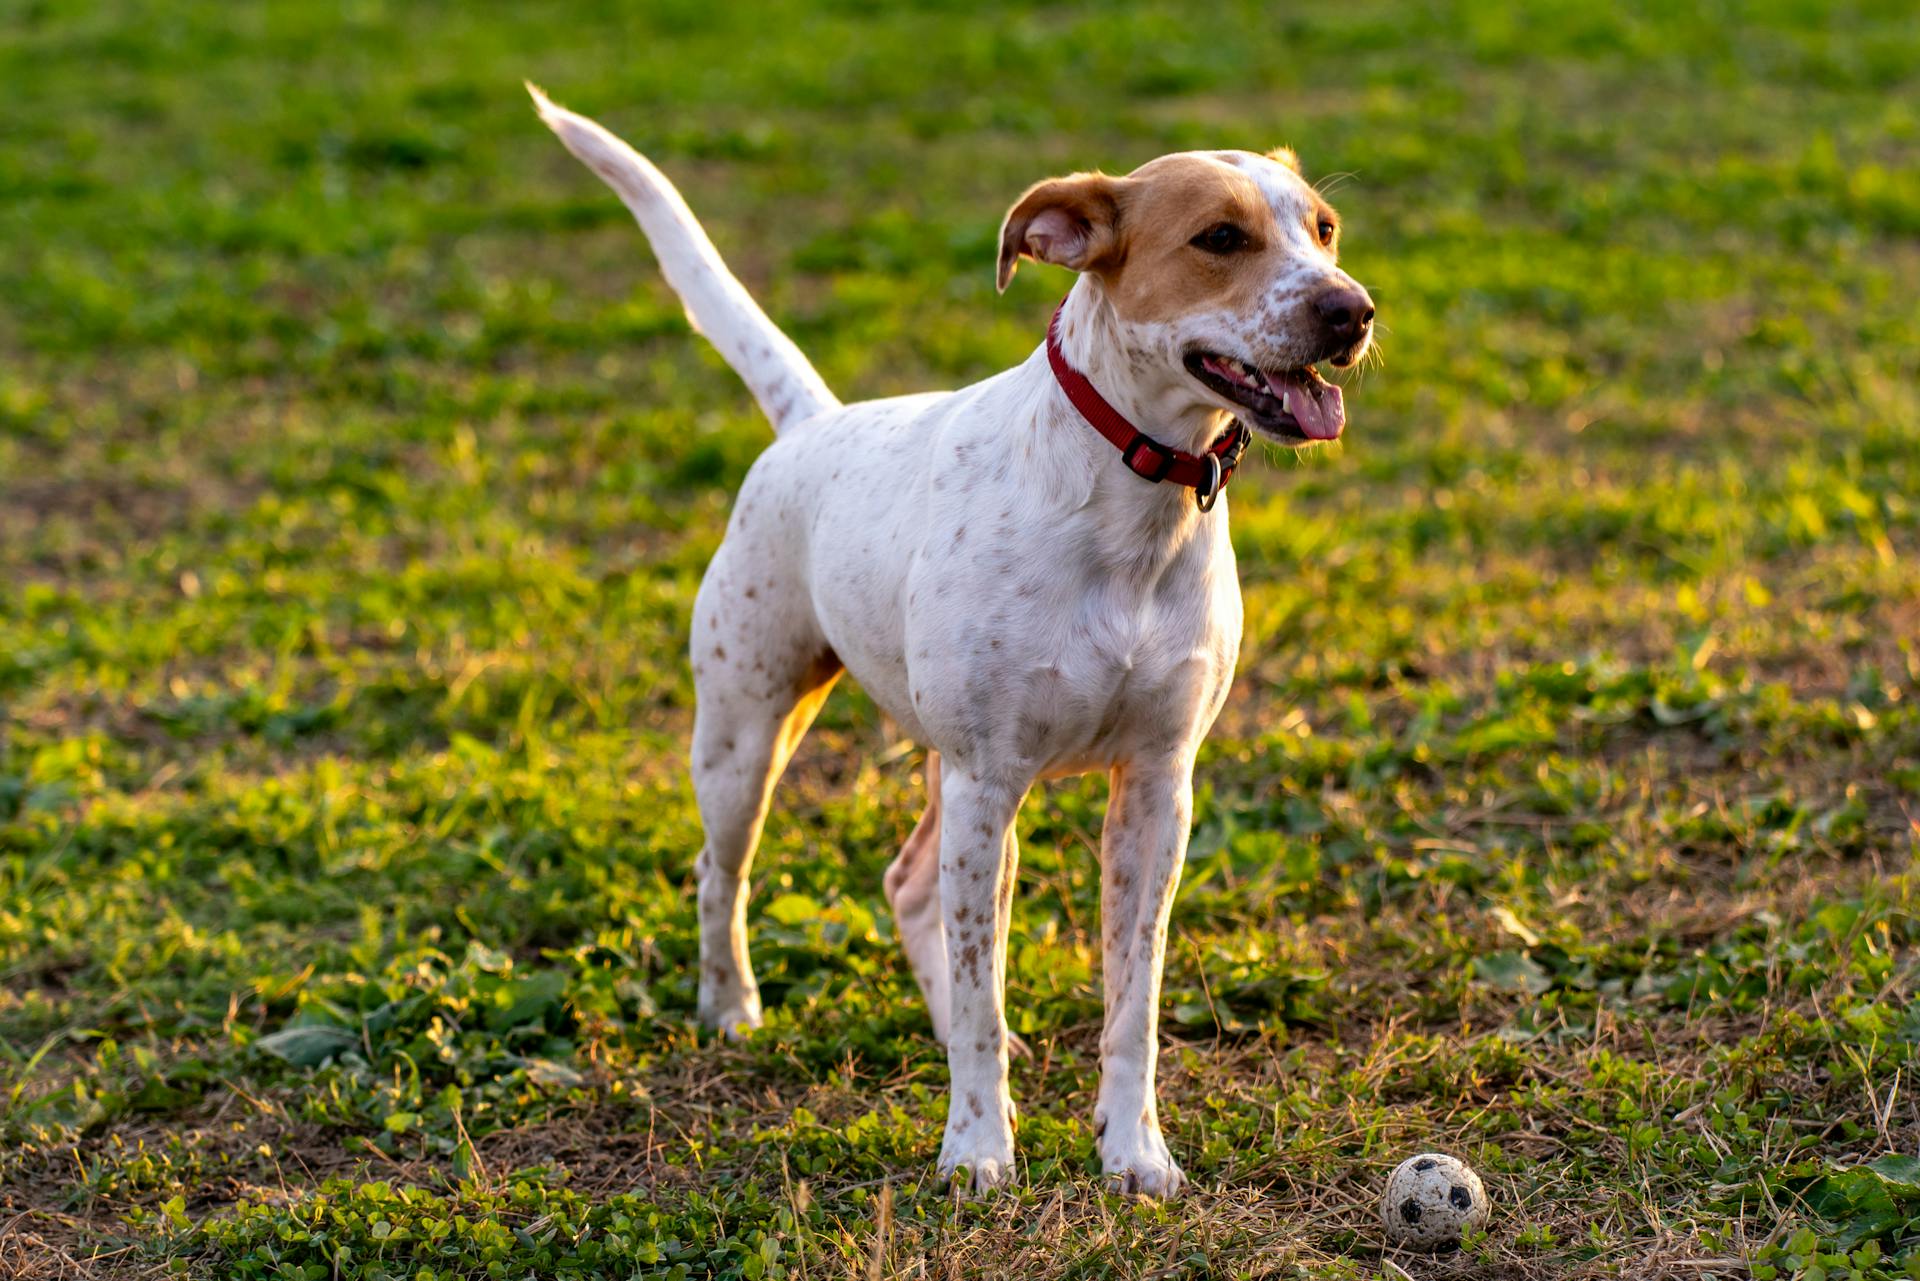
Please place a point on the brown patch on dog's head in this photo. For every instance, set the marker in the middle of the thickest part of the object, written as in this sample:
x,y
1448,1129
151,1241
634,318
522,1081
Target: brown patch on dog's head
x,y
1145,235
1168,206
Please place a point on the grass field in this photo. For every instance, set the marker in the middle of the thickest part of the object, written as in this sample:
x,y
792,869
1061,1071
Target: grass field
x,y
357,471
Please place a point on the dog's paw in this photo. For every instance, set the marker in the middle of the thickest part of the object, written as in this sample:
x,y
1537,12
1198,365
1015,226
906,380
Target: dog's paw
x,y
1138,1164
739,1026
983,1174
977,1157
734,1017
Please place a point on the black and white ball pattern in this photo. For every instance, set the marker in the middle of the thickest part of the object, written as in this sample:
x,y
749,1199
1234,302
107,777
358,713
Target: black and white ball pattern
x,y
1430,1200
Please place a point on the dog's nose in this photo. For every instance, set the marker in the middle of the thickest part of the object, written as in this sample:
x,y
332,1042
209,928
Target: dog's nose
x,y
1346,311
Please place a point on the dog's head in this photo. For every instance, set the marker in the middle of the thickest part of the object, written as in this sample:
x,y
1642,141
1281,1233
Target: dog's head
x,y
1222,268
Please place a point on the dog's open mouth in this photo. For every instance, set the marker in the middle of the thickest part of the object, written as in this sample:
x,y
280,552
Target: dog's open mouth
x,y
1294,406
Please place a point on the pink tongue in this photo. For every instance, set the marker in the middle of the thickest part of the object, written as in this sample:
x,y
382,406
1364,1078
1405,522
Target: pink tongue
x,y
1320,417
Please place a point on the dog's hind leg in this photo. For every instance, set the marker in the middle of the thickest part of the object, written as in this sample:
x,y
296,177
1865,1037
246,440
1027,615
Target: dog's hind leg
x,y
757,688
913,891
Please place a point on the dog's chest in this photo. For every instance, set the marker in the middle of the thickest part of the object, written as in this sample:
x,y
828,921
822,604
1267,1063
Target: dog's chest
x,y
1057,655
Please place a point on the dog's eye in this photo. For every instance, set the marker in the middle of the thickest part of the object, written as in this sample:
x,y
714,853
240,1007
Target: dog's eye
x,y
1223,239
1326,230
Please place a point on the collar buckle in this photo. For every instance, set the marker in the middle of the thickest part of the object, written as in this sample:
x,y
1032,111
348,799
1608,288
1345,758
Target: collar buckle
x,y
1148,459
1236,446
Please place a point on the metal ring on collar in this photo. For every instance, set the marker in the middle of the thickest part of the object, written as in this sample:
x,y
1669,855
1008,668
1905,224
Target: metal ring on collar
x,y
1205,495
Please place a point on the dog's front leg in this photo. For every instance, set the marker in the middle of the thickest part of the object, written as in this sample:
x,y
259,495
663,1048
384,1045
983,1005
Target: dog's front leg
x,y
977,863
1143,843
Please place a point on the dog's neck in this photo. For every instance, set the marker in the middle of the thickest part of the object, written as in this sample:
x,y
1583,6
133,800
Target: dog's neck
x,y
1142,525
1122,363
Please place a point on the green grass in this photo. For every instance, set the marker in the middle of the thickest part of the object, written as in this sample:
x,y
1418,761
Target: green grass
x,y
357,471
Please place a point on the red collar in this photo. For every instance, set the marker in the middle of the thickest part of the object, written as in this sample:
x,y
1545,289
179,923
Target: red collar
x,y
1205,474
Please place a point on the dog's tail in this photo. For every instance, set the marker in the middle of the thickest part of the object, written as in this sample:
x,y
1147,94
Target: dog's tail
x,y
788,388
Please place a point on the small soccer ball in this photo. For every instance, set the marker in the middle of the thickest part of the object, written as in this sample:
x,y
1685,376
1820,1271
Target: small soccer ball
x,y
1430,1200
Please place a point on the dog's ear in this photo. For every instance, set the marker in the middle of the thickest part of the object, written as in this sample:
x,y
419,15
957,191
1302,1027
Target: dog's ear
x,y
1286,157
1071,222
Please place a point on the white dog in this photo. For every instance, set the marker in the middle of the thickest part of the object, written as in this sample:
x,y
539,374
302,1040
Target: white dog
x,y
1028,585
